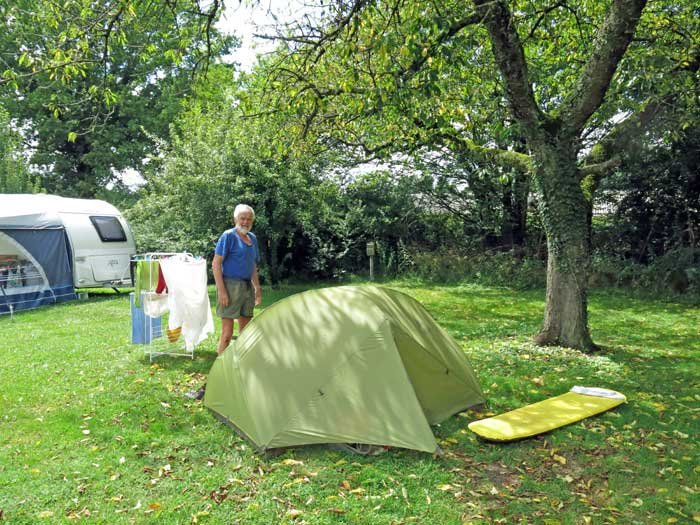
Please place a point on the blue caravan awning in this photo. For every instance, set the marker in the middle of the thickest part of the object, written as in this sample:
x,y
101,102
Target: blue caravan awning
x,y
35,266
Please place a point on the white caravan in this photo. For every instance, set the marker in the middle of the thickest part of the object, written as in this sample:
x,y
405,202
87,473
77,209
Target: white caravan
x,y
100,241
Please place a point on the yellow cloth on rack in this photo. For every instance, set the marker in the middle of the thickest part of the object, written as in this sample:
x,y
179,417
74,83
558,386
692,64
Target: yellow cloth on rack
x,y
174,334
146,278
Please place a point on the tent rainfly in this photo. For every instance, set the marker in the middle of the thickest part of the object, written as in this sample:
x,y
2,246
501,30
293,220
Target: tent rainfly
x,y
361,365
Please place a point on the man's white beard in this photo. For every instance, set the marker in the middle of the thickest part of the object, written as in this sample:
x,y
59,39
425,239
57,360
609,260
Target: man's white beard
x,y
243,230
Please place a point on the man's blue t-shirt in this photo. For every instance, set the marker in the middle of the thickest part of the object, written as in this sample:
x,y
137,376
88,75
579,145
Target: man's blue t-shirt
x,y
239,258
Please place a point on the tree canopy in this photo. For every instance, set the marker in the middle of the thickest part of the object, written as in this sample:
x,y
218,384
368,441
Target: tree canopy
x,y
14,173
484,109
92,83
557,91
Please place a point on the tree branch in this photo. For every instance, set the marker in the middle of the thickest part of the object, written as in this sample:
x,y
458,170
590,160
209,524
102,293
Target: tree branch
x,y
622,137
504,158
608,48
600,169
510,58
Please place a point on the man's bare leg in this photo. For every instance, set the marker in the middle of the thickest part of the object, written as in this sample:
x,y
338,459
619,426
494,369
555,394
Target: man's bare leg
x,y
242,322
226,334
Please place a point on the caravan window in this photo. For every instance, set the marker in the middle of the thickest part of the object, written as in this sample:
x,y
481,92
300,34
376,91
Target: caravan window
x,y
108,228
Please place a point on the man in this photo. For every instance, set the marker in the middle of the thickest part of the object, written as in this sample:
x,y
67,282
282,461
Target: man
x,y
236,274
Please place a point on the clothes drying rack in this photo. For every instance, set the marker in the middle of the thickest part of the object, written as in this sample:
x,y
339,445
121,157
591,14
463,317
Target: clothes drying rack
x,y
158,343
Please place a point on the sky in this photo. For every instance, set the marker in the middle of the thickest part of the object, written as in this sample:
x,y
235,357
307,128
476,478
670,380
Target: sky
x,y
243,20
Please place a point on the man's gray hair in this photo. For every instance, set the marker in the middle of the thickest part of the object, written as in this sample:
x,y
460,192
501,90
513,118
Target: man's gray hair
x,y
242,208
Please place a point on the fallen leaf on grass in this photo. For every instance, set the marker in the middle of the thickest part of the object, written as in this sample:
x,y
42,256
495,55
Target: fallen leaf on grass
x,y
195,517
152,508
76,515
559,459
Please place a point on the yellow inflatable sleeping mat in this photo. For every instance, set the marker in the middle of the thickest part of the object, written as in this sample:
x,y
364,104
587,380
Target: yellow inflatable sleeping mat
x,y
577,404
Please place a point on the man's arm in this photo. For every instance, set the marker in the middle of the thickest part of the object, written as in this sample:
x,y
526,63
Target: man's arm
x,y
218,272
256,285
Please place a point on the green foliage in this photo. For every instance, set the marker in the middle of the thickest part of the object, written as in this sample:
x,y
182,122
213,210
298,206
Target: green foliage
x,y
677,271
189,200
486,268
381,207
529,87
92,431
14,173
211,164
92,83
654,202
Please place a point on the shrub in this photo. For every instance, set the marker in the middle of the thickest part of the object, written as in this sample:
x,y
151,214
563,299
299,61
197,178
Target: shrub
x,y
677,271
491,268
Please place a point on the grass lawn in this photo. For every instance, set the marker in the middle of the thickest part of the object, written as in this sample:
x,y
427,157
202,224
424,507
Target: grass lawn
x,y
91,430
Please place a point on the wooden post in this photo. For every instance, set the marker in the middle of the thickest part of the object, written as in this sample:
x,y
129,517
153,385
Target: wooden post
x,y
371,249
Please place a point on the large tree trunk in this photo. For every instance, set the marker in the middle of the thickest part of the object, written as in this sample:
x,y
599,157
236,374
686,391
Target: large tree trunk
x,y
564,213
554,139
566,310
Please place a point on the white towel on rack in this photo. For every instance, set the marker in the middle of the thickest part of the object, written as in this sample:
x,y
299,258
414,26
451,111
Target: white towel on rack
x,y
188,299
155,305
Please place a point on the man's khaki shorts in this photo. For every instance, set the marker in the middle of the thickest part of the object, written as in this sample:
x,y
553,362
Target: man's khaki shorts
x,y
241,299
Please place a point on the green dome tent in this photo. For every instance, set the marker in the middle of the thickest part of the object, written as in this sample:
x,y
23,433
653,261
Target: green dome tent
x,y
364,365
